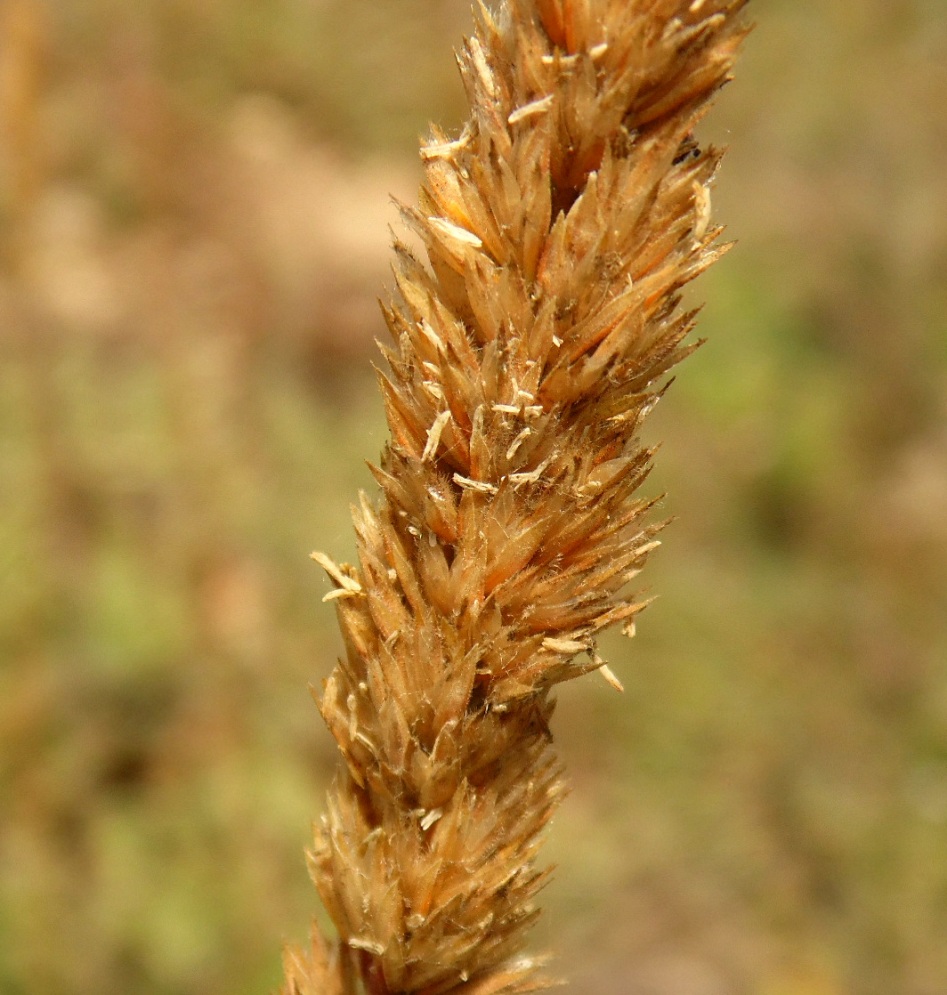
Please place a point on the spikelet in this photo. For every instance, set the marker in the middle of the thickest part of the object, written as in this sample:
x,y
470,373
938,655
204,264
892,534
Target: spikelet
x,y
560,227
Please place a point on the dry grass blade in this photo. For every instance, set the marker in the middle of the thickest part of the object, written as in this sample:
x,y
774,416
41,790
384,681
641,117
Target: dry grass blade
x,y
559,227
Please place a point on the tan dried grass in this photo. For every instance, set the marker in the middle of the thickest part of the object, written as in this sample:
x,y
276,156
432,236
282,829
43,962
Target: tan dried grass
x,y
560,227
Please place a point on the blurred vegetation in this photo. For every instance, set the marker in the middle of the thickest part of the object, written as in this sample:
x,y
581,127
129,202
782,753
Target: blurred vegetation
x,y
194,200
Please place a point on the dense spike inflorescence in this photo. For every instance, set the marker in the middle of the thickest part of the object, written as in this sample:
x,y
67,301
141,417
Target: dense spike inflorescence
x,y
559,227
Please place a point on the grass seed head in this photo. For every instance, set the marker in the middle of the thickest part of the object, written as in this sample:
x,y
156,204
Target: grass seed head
x,y
560,227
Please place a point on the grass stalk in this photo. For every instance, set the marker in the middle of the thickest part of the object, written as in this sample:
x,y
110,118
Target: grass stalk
x,y
560,227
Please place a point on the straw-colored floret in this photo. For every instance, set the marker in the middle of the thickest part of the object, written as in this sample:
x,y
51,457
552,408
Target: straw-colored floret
x,y
560,227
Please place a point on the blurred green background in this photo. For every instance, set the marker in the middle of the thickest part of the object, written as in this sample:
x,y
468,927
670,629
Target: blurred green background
x,y
194,206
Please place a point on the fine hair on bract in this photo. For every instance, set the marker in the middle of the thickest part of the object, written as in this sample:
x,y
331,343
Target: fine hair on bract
x,y
560,226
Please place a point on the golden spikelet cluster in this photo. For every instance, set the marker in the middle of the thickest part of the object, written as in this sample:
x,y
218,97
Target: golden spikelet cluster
x,y
559,227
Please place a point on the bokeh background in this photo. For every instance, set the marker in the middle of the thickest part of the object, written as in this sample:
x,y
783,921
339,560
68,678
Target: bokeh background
x,y
194,206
